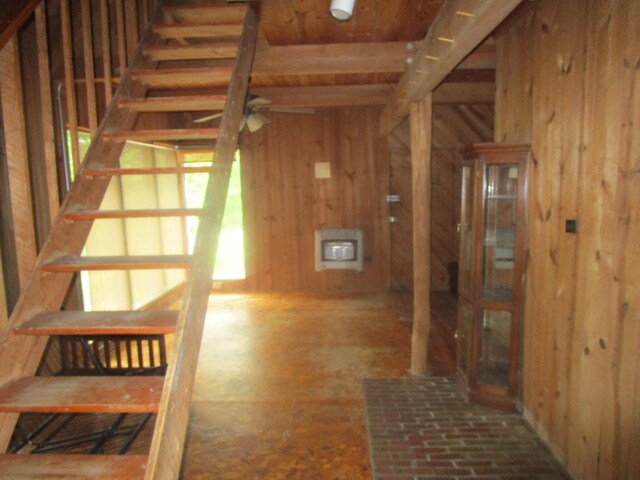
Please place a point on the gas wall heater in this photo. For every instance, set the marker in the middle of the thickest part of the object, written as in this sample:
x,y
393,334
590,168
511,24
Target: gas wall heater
x,y
339,248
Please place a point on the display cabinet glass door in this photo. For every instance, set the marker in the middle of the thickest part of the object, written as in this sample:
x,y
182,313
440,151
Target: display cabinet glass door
x,y
466,232
463,335
494,348
499,231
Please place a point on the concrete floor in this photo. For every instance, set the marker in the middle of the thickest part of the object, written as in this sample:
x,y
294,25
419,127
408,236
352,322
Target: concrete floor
x,y
278,392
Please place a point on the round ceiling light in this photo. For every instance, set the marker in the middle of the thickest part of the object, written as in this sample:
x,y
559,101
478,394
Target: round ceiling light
x,y
342,9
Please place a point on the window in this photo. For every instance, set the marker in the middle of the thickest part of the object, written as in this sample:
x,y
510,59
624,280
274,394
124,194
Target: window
x,y
230,264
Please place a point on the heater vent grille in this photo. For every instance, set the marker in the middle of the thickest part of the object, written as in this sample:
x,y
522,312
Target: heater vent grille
x,y
339,249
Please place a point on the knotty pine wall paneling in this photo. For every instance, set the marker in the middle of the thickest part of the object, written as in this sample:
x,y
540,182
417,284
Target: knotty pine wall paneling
x,y
569,82
402,211
454,126
284,202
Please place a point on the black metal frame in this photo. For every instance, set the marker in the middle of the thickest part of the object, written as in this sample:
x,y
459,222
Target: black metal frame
x,y
96,358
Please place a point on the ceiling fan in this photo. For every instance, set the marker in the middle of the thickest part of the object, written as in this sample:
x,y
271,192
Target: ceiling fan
x,y
253,117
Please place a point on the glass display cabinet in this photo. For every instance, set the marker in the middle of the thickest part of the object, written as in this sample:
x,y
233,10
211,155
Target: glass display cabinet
x,y
492,227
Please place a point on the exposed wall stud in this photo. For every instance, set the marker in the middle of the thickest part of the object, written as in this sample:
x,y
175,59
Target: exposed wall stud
x,y
21,207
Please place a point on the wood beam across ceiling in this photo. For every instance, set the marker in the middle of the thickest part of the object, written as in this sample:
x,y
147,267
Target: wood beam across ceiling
x,y
351,58
376,94
326,96
459,27
380,57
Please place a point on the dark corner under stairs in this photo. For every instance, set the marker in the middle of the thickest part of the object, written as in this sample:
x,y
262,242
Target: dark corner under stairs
x,y
193,59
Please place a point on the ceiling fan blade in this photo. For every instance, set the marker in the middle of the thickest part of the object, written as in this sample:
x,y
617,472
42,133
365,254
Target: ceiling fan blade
x,y
207,118
243,122
255,122
303,110
258,102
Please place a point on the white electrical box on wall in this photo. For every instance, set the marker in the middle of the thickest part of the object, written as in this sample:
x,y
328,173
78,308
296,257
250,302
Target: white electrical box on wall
x,y
323,170
339,248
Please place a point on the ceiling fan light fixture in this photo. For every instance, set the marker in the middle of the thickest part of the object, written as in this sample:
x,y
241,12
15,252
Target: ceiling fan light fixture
x,y
256,121
342,10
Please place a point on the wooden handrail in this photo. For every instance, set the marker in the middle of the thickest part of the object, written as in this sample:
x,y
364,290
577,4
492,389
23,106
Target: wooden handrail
x,y
167,445
12,15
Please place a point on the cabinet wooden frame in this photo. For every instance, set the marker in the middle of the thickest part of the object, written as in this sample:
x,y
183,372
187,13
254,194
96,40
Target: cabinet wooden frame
x,y
477,159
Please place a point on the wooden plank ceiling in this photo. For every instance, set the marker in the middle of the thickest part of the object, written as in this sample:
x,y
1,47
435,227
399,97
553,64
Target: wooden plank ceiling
x,y
301,45
299,22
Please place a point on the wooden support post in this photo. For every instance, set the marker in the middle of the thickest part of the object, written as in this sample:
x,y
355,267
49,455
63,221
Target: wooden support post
x,y
106,50
89,72
17,159
70,88
145,13
4,314
131,22
46,108
122,48
421,117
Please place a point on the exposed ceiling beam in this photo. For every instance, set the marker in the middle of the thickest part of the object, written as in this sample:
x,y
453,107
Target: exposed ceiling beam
x,y
459,27
380,94
326,96
331,59
350,58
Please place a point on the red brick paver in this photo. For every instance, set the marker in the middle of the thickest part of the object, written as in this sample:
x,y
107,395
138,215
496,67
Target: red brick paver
x,y
423,428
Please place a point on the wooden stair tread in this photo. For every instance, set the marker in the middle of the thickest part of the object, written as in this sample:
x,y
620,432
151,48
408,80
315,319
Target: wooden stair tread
x,y
100,323
185,77
141,213
112,394
208,51
197,30
175,134
204,14
108,172
142,262
73,467
190,103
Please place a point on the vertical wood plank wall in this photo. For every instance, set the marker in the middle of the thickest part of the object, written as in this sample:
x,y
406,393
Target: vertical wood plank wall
x,y
454,126
569,82
402,212
285,203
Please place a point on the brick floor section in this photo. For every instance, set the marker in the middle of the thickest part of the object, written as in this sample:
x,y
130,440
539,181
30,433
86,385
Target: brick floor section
x,y
423,428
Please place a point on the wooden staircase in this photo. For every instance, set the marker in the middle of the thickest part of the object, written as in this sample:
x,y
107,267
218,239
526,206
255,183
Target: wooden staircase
x,y
196,37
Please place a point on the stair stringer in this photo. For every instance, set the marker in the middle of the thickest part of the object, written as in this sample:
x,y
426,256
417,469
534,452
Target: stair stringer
x,y
165,455
20,355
